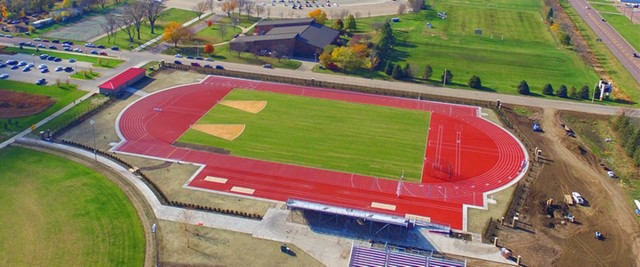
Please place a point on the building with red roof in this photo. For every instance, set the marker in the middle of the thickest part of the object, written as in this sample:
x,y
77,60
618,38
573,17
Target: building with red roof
x,y
121,81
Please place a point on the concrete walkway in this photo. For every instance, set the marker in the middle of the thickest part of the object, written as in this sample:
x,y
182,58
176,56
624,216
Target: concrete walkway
x,y
155,40
328,249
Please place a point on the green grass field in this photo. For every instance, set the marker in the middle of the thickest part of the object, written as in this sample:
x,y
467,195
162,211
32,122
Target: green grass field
x,y
63,95
515,45
56,212
343,136
73,113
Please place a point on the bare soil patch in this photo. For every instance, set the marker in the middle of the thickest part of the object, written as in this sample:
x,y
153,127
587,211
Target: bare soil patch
x,y
247,106
19,104
567,166
225,131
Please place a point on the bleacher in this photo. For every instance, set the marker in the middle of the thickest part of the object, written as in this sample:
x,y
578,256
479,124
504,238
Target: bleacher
x,y
368,256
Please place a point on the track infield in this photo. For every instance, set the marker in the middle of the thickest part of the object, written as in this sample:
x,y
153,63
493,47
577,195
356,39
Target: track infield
x,y
465,159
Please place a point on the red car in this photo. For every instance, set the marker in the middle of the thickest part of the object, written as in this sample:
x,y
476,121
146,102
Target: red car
x,y
104,53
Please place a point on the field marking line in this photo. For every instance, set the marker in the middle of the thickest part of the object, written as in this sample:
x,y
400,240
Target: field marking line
x,y
383,206
216,179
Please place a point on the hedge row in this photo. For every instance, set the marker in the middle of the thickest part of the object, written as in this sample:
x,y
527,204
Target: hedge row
x,y
217,210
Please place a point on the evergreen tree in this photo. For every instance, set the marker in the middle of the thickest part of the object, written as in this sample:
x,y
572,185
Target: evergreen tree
x,y
584,92
407,71
388,69
573,92
397,72
448,75
547,89
351,22
562,92
475,82
631,144
523,88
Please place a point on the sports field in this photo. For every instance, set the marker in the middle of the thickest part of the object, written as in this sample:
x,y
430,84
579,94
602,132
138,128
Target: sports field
x,y
56,212
337,135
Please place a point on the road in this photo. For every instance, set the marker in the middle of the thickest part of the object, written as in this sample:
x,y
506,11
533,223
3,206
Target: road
x,y
610,37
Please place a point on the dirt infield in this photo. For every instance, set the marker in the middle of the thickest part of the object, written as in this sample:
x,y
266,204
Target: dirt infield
x,y
224,131
19,104
248,106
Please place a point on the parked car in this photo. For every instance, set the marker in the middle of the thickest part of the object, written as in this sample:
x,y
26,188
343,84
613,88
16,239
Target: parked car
x,y
77,50
178,62
199,58
68,42
57,59
207,59
53,47
219,67
15,67
68,69
58,68
45,70
37,39
577,198
42,66
208,66
94,52
101,46
2,65
67,48
90,45
104,54
44,56
22,63
267,66
51,58
115,48
189,57
71,60
195,64
9,36
41,81
4,76
11,62
55,41
178,56
25,69
41,46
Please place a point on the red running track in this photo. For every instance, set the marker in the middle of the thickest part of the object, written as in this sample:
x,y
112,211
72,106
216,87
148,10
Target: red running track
x,y
466,156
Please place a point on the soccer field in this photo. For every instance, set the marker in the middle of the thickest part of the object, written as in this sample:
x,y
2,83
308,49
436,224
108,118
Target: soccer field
x,y
56,212
355,138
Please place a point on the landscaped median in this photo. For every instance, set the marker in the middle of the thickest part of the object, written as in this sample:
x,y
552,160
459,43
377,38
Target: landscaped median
x,y
85,75
97,61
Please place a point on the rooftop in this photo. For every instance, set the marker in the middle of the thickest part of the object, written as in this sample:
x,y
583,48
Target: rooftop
x,y
121,78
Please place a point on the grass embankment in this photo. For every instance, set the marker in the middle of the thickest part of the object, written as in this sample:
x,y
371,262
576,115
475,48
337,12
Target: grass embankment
x,y
215,34
85,75
515,45
100,62
73,113
356,138
170,15
623,80
63,95
56,212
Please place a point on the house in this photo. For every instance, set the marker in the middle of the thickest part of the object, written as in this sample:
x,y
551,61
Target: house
x,y
116,84
295,37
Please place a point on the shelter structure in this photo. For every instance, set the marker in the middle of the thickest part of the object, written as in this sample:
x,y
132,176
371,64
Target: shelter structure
x,y
116,84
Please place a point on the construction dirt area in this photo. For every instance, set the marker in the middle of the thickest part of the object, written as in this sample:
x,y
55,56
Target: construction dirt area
x,y
544,236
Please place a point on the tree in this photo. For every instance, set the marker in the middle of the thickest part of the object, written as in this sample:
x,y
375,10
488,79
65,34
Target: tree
x,y
397,72
248,7
631,144
547,89
407,72
573,92
200,8
346,58
67,3
523,88
388,69
319,15
175,32
565,39
401,9
110,27
428,72
153,9
222,28
127,27
562,92
351,23
636,158
259,10
209,49
384,46
584,92
475,82
325,59
135,12
211,5
228,6
415,5
446,77
338,25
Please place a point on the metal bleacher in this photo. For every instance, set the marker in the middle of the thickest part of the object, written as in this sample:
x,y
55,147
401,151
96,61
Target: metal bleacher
x,y
370,256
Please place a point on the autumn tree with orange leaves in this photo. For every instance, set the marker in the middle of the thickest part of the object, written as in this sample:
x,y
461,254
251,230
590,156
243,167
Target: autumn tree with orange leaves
x,y
229,6
319,15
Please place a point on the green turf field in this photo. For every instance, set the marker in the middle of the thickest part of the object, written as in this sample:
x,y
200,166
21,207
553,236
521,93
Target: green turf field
x,y
55,212
515,45
337,135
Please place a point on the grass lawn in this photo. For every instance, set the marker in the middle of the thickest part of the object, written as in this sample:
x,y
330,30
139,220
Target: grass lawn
x,y
515,45
223,53
343,136
59,213
73,113
213,35
63,96
621,76
100,62
85,75
167,16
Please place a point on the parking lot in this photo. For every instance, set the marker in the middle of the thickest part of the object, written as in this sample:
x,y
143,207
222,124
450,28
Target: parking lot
x,y
32,75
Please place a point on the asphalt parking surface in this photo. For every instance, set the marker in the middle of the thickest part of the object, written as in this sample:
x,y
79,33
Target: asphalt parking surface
x,y
34,74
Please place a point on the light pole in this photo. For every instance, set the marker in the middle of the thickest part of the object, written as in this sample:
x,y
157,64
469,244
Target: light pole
x,y
95,148
315,57
33,58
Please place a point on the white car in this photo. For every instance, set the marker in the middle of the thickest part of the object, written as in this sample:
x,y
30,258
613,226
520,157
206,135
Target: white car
x,y
4,76
611,174
42,66
58,68
577,198
178,56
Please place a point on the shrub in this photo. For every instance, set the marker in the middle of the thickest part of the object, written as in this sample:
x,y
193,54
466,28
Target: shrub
x,y
446,77
584,92
428,72
397,72
475,82
388,69
523,88
573,92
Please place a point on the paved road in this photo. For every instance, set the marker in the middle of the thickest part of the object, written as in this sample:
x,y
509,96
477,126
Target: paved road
x,y
610,37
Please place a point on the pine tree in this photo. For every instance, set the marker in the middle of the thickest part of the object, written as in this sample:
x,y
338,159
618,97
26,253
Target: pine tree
x,y
475,82
523,88
446,77
388,69
584,92
547,89
562,92
397,72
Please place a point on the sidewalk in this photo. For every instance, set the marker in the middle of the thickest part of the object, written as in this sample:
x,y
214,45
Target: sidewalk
x,y
154,40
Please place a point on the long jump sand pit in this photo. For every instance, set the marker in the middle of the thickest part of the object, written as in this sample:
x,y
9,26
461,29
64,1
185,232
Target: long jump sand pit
x,y
247,106
224,131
